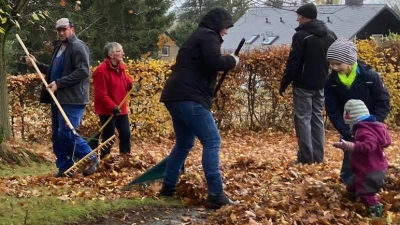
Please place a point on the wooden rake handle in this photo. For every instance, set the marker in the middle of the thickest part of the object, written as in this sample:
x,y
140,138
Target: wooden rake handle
x,y
69,124
72,168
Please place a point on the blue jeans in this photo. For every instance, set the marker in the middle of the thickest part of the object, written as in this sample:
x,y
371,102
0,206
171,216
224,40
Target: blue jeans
x,y
65,143
191,120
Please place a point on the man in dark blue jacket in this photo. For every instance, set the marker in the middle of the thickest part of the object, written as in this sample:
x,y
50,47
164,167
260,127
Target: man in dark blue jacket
x,y
352,79
68,78
306,69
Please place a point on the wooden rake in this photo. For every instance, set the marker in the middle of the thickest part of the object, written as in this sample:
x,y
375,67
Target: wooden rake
x,y
109,142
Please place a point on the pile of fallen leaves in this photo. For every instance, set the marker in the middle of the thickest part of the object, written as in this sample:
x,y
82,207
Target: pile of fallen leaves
x,y
258,173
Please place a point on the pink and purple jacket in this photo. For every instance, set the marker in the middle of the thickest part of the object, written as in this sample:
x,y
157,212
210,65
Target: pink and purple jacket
x,y
368,160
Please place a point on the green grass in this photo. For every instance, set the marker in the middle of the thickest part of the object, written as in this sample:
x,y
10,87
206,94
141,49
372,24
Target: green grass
x,y
33,169
48,210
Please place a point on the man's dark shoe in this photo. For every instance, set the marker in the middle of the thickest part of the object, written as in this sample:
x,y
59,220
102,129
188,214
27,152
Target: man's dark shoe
x,y
216,202
92,168
60,173
167,191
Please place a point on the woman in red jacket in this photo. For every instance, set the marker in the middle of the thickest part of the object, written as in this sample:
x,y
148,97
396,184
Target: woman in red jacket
x,y
111,85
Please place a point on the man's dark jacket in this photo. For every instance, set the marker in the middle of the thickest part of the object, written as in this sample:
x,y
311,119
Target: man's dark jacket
x,y
367,86
73,87
199,59
307,66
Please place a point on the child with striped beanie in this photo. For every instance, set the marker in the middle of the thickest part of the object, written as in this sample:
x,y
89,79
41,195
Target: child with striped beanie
x,y
368,161
342,55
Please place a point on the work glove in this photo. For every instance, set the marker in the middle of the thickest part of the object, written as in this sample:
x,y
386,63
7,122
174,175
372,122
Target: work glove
x,y
236,58
116,111
345,145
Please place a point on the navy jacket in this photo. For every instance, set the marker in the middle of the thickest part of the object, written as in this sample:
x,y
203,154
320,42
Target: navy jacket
x,y
73,87
367,86
199,59
307,66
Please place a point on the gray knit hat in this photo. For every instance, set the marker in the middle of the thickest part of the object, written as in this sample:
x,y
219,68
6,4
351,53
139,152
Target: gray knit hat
x,y
353,109
343,50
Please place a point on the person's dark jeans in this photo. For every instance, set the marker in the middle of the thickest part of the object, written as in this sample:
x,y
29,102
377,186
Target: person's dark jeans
x,y
66,145
191,120
120,122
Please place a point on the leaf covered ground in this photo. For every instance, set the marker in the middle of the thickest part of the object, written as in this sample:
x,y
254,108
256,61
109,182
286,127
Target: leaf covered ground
x,y
258,173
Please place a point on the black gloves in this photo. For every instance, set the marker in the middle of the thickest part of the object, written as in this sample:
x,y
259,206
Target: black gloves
x,y
347,137
116,111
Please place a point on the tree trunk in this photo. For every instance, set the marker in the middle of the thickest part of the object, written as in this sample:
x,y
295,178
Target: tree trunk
x,y
4,111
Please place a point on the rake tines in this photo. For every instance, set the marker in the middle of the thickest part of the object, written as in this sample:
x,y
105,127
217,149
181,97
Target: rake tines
x,y
108,142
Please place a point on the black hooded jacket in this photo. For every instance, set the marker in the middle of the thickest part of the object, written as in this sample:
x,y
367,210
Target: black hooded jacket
x,y
199,59
307,66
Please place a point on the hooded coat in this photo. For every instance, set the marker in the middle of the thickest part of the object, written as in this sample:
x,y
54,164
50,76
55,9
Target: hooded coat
x,y
368,161
307,66
199,59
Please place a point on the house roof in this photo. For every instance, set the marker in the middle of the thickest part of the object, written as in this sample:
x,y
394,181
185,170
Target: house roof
x,y
344,20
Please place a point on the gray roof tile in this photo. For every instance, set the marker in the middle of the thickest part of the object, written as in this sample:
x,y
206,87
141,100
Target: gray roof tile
x,y
345,21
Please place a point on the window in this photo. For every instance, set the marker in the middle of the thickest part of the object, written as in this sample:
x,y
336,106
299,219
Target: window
x,y
165,51
269,40
252,39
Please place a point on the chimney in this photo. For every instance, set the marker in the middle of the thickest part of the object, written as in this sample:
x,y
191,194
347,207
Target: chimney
x,y
266,20
277,3
354,2
281,20
328,20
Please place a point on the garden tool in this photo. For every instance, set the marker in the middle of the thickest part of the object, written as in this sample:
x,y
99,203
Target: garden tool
x,y
93,141
69,124
241,43
154,173
73,168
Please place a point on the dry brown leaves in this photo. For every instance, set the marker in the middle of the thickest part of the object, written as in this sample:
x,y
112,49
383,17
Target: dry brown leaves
x,y
258,174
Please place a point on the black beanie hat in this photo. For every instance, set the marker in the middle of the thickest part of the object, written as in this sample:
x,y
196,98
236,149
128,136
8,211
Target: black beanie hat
x,y
308,10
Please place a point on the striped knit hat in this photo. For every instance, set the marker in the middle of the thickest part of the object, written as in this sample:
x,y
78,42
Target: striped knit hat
x,y
353,109
343,50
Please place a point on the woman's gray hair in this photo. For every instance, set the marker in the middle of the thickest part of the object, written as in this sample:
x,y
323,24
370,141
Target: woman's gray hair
x,y
110,48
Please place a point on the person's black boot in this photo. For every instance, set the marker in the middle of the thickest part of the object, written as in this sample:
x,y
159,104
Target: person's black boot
x,y
167,191
216,202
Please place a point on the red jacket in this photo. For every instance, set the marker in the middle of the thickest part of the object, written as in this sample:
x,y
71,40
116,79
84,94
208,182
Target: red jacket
x,y
110,87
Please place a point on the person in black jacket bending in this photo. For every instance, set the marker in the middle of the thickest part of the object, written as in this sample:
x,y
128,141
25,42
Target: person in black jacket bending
x,y
188,95
352,79
307,69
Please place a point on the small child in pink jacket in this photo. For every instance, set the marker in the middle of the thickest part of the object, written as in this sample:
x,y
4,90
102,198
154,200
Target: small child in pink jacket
x,y
368,161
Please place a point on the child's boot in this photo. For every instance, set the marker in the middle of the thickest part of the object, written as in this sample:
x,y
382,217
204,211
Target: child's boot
x,y
376,210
